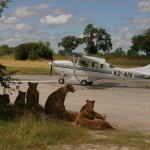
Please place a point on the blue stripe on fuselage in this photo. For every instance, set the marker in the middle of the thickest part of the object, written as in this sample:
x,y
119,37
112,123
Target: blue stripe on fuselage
x,y
85,69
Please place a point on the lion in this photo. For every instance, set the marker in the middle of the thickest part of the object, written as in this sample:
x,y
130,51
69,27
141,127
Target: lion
x,y
55,104
4,100
32,95
55,101
92,115
83,120
20,100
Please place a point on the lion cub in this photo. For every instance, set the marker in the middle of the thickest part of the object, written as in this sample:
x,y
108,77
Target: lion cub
x,y
20,100
4,100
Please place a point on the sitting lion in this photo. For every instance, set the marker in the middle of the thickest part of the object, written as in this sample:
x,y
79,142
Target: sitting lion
x,y
33,98
82,118
20,100
55,103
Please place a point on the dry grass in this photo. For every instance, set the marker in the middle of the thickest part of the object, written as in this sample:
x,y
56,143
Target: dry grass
x,y
12,62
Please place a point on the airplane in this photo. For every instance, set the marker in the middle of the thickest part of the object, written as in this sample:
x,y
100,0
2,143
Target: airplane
x,y
86,69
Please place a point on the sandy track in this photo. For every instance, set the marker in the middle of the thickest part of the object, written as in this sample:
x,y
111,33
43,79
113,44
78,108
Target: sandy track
x,y
126,103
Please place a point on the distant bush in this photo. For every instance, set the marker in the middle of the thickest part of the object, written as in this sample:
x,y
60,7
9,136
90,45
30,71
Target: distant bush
x,y
33,51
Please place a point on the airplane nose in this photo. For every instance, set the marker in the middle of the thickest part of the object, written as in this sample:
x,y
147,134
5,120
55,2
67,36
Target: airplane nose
x,y
51,62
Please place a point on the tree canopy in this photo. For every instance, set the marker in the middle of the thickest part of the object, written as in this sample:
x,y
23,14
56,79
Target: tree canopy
x,y
69,43
94,39
3,5
141,43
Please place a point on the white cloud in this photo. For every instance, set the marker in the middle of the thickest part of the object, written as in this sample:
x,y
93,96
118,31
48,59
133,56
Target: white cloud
x,y
139,23
144,6
124,29
60,11
22,27
141,20
83,21
30,11
122,41
61,19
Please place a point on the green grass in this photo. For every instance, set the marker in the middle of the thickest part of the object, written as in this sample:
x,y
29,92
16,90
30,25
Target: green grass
x,y
129,62
31,70
30,133
120,138
24,131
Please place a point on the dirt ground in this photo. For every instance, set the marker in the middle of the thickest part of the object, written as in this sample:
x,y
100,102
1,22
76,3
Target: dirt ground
x,y
126,103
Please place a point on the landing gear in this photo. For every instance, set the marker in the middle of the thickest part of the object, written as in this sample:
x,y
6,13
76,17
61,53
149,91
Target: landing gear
x,y
61,81
90,83
85,82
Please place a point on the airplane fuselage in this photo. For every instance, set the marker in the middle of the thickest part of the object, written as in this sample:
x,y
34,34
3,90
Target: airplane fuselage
x,y
66,68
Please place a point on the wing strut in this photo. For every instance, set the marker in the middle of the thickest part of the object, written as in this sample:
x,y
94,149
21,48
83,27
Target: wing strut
x,y
74,61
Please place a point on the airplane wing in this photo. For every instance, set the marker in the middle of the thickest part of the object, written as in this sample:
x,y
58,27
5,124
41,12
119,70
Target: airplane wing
x,y
74,54
97,59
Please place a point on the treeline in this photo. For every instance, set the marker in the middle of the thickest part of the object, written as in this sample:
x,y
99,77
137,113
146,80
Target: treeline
x,y
96,41
29,51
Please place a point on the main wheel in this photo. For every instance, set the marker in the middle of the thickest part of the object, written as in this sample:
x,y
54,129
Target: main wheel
x,y
61,81
90,83
84,82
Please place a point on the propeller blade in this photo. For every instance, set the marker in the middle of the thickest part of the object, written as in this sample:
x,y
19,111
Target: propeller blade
x,y
51,68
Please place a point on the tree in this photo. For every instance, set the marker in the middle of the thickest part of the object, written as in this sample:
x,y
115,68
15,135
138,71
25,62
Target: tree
x,y
141,42
22,52
45,50
96,39
69,43
118,52
4,49
6,81
3,4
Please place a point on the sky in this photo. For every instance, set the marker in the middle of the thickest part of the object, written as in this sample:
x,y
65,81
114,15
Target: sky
x,y
51,20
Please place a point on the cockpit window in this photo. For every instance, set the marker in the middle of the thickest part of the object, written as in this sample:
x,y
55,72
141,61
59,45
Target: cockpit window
x,y
83,63
95,65
101,66
111,66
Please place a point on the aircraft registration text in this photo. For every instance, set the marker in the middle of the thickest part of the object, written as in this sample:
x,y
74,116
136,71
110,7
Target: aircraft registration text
x,y
125,74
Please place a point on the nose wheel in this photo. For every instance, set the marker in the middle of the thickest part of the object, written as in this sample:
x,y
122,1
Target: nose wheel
x,y
61,81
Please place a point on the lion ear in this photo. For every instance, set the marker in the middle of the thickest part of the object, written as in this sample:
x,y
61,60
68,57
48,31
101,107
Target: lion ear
x,y
87,101
29,83
93,101
19,92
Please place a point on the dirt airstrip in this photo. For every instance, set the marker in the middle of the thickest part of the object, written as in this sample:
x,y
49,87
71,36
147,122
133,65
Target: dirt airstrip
x,y
126,103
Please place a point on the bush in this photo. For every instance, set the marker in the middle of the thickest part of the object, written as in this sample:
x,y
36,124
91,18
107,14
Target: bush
x,y
33,51
22,52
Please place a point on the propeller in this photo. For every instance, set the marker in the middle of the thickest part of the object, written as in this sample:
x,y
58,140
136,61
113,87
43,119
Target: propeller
x,y
51,68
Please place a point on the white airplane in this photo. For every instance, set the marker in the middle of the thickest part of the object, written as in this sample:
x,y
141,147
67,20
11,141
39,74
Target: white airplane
x,y
87,69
